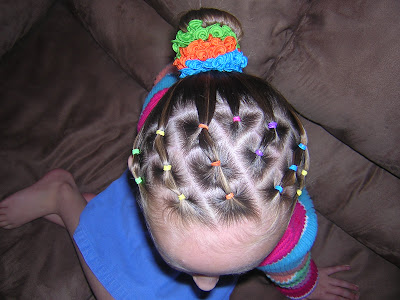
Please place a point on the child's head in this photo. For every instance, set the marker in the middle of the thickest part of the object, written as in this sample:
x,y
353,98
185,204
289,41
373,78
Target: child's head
x,y
219,168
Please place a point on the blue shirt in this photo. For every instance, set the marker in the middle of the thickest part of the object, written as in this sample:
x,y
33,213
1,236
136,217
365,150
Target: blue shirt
x,y
116,245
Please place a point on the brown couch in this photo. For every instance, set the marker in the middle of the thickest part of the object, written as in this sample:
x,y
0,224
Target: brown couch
x,y
73,77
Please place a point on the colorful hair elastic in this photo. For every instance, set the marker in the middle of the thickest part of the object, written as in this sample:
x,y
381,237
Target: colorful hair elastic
x,y
293,167
216,163
236,119
259,152
302,146
304,172
139,180
160,132
229,196
201,49
135,151
204,126
279,188
299,192
167,167
181,197
272,125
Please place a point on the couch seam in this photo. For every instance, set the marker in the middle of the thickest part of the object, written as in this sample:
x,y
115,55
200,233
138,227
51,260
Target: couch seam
x,y
360,241
288,44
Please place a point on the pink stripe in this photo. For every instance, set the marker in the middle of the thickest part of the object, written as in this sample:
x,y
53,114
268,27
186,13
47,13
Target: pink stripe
x,y
290,237
305,288
152,103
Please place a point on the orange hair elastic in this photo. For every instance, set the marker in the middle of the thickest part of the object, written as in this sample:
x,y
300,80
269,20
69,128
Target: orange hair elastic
x,y
204,126
216,163
229,196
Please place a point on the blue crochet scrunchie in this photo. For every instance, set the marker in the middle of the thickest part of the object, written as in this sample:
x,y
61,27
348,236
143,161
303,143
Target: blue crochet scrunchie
x,y
228,62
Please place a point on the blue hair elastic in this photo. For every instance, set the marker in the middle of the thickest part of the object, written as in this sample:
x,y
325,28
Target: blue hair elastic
x,y
272,125
293,167
302,146
279,188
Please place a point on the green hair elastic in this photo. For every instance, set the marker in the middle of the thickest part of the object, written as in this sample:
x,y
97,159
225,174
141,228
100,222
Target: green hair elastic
x,y
196,31
139,180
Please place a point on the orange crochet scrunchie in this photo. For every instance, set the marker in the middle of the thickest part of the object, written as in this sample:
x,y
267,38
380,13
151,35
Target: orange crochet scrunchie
x,y
203,50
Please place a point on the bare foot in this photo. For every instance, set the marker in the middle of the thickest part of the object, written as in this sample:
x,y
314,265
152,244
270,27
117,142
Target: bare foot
x,y
38,200
54,218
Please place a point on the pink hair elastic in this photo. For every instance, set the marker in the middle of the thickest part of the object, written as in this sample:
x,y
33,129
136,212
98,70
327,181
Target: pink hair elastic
x,y
236,119
272,125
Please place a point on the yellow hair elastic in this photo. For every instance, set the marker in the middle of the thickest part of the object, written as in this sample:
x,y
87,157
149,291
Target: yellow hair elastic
x,y
304,172
299,192
160,132
167,168
181,197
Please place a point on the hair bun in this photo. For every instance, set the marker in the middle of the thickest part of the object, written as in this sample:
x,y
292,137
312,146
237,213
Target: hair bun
x,y
210,16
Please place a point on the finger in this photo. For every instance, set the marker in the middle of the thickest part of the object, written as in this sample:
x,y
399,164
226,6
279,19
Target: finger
x,y
332,297
343,284
336,269
344,293
4,223
8,227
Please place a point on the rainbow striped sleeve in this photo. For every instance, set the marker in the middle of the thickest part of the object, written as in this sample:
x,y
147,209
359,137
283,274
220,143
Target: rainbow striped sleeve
x,y
290,265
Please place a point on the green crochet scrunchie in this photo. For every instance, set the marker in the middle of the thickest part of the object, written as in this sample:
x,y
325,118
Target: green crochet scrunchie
x,y
195,31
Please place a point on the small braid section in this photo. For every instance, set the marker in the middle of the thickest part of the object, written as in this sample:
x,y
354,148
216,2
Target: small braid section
x,y
293,180
231,202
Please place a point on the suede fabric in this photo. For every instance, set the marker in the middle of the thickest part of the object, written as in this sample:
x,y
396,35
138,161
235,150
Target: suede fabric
x,y
72,88
16,19
344,58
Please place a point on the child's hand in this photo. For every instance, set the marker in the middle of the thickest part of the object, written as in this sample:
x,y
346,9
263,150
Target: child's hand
x,y
331,288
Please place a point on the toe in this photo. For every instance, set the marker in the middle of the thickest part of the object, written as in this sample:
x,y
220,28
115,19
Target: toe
x,y
9,227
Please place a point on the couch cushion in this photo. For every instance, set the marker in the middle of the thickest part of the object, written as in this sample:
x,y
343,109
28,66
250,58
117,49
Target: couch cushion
x,y
64,103
341,70
354,193
131,32
16,19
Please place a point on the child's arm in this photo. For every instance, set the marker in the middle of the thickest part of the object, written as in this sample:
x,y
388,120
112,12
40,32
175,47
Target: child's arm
x,y
308,282
290,265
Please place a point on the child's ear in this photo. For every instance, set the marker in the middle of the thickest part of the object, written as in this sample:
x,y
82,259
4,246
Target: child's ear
x,y
130,161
